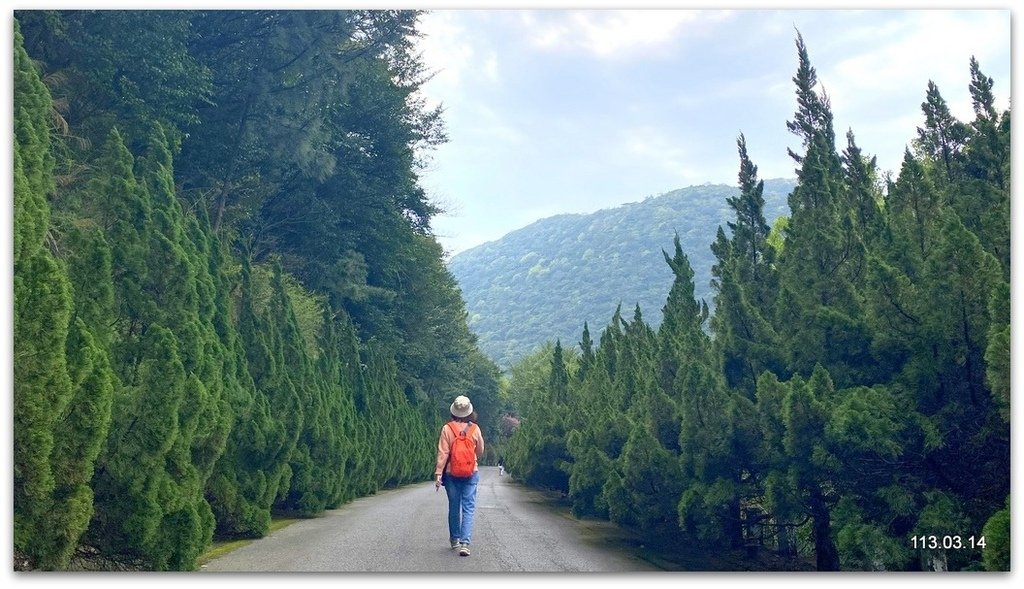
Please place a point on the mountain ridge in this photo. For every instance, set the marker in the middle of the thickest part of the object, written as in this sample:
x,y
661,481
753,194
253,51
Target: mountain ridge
x,y
541,282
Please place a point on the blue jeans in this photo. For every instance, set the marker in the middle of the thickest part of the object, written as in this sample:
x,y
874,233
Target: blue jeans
x,y
461,506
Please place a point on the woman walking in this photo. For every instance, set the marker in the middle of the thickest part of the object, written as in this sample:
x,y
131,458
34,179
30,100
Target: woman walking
x,y
460,445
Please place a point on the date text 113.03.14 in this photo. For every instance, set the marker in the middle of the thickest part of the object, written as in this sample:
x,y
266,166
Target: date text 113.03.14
x,y
948,542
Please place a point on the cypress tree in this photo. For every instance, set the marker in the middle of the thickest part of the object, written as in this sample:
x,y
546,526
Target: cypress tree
x,y
328,447
782,509
161,279
586,352
558,380
537,452
693,392
931,313
960,279
247,477
304,493
650,474
351,381
819,311
997,351
554,460
811,468
942,138
43,384
996,554
746,281
601,427
864,198
133,486
34,161
987,171
893,287
122,207
648,462
82,429
868,432
279,384
84,425
750,230
42,391
179,285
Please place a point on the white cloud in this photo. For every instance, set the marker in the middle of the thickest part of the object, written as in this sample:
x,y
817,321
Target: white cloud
x,y
877,91
525,146
929,45
609,33
446,52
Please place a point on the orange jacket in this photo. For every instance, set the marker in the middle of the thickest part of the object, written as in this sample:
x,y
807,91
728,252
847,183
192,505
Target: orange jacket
x,y
444,444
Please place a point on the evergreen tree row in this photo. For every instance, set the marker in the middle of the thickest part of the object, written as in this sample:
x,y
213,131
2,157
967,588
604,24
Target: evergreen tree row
x,y
848,401
178,374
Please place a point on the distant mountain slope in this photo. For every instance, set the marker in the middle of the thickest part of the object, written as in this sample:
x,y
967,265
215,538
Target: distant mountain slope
x,y
543,281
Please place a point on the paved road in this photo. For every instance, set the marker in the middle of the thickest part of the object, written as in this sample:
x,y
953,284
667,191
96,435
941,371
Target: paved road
x,y
406,530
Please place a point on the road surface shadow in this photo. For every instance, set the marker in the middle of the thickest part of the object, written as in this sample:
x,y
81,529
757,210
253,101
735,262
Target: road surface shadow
x,y
669,552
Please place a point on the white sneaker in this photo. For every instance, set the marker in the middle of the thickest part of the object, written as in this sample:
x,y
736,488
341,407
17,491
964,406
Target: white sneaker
x,y
463,549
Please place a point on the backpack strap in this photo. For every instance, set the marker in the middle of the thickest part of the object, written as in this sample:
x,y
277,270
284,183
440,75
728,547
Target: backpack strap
x,y
444,470
454,431
464,430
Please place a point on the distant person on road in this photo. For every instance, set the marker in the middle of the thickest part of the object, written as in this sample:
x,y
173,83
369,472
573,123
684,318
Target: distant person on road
x,y
460,445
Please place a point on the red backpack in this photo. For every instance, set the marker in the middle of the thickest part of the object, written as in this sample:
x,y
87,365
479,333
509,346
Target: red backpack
x,y
462,456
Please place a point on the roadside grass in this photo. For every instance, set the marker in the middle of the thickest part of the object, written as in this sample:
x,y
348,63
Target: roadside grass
x,y
221,547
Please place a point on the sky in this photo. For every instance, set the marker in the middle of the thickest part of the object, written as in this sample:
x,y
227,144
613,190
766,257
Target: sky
x,y
580,108
576,109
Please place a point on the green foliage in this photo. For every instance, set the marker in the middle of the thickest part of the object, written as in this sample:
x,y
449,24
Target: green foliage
x,y
43,389
134,490
941,516
246,478
590,469
746,281
537,452
105,82
820,267
866,546
852,391
83,426
650,476
233,306
997,354
33,160
62,383
184,364
996,554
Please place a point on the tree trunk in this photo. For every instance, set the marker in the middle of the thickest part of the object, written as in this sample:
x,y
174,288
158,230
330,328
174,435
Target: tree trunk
x,y
734,524
824,548
787,542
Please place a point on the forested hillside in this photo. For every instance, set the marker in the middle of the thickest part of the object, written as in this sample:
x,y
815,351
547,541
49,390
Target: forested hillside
x,y
545,280
847,405
228,301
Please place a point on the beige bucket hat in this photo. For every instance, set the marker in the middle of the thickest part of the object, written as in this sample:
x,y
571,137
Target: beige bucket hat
x,y
462,407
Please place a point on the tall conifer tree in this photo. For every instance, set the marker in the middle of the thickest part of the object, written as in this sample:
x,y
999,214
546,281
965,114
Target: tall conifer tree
x,y
48,474
819,309
746,281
